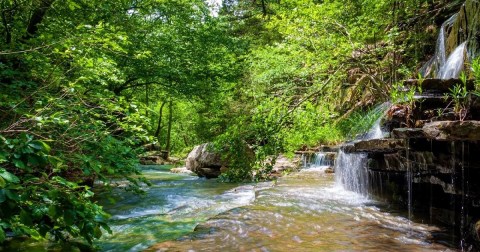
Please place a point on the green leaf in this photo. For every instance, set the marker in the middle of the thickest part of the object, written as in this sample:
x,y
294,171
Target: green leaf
x,y
106,227
2,183
97,232
19,163
3,157
40,145
2,235
33,233
11,195
52,211
9,177
36,145
2,196
88,194
65,182
69,217
25,218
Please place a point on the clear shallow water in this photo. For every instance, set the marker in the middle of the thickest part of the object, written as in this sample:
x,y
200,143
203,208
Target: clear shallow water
x,y
171,208
304,211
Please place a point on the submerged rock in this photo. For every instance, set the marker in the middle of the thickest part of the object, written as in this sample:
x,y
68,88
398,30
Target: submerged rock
x,y
453,130
181,170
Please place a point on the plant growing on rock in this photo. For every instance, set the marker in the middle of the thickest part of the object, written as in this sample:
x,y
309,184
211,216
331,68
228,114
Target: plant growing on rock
x,y
476,73
459,95
405,97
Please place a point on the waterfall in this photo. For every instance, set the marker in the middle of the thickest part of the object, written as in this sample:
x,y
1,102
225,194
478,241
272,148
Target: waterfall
x,y
439,66
375,131
320,160
454,65
351,172
351,168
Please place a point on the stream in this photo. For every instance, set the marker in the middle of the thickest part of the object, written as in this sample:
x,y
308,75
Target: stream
x,y
304,211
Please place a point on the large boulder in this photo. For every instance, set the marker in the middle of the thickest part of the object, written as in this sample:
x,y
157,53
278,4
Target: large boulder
x,y
203,161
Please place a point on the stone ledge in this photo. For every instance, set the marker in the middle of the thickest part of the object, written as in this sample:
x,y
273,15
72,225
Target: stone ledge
x,y
403,133
453,130
375,146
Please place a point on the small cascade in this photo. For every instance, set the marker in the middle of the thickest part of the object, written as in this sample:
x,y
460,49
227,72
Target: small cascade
x,y
375,132
454,64
320,159
351,172
439,58
351,168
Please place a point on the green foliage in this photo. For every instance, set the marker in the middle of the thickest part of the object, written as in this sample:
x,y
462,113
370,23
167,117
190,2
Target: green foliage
x,y
37,201
81,91
360,122
404,95
459,94
476,72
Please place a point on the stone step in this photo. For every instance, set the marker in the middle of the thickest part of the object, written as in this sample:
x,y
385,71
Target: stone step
x,y
387,145
404,133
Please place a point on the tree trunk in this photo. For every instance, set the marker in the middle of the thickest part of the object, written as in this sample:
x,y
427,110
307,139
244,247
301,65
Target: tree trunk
x,y
169,132
264,8
6,22
36,18
159,127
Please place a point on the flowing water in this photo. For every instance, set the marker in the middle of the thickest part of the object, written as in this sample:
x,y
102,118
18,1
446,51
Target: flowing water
x,y
172,207
319,160
454,64
435,65
351,172
351,168
306,211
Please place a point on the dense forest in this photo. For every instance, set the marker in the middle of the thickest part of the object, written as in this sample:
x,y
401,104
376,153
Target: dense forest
x,y
85,85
